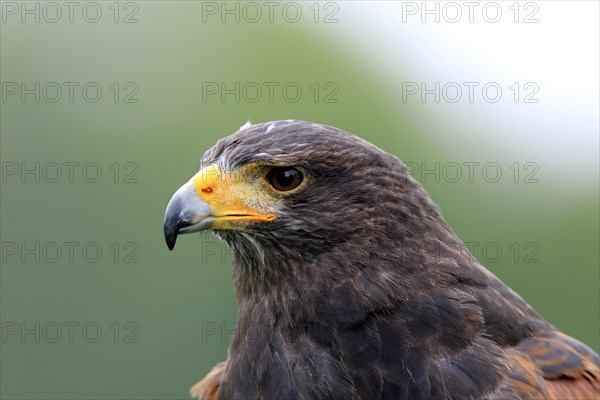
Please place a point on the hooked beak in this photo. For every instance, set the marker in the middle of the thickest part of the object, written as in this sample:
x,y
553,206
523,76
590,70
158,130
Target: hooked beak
x,y
186,213
212,199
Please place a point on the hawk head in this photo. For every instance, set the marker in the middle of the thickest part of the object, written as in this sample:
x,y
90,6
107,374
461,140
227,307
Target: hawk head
x,y
296,187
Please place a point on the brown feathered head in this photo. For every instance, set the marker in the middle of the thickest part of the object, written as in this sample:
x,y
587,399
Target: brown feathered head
x,y
285,193
351,284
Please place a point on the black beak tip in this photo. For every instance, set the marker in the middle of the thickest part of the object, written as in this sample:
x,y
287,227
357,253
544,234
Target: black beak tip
x,y
170,237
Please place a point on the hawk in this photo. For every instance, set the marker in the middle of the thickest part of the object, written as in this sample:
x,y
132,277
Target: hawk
x,y
351,285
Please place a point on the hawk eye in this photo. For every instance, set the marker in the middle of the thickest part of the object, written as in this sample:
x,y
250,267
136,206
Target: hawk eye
x,y
284,179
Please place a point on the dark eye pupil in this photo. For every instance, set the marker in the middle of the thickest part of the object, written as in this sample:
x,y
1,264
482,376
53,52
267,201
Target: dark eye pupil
x,y
284,178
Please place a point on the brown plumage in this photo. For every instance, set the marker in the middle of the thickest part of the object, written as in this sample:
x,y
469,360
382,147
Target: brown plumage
x,y
358,287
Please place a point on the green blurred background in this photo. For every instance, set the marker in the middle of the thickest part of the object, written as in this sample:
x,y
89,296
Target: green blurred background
x,y
166,318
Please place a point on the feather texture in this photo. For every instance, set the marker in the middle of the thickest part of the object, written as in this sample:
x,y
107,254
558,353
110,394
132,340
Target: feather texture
x,y
361,290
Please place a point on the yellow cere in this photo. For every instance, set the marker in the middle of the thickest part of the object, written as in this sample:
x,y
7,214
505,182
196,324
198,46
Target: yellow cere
x,y
231,197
